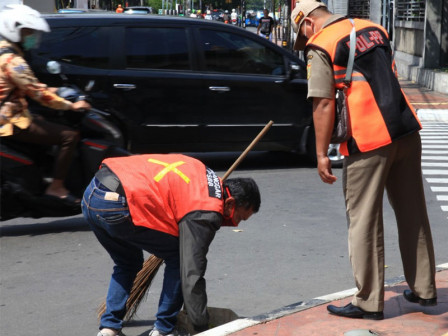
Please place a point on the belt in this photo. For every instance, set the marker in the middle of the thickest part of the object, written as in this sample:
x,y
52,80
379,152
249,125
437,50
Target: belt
x,y
108,179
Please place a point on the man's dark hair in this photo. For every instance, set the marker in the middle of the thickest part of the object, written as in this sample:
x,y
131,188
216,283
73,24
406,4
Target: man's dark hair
x,y
245,192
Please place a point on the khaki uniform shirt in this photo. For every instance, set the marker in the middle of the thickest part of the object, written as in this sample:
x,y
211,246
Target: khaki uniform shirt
x,y
17,77
320,71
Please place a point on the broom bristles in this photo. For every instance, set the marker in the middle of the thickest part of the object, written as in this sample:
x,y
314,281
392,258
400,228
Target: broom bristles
x,y
139,289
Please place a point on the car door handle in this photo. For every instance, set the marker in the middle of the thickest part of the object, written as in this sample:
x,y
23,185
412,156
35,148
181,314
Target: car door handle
x,y
125,86
219,88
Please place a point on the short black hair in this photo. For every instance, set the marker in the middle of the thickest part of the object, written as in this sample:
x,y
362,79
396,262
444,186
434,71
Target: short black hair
x,y
245,192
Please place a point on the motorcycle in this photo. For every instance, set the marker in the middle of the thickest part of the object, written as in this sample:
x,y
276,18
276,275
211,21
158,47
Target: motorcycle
x,y
26,168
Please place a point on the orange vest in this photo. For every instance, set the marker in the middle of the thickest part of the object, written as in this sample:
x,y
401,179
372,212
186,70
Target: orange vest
x,y
379,111
162,188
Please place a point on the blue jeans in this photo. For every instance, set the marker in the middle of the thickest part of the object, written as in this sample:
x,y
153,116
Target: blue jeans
x,y
111,222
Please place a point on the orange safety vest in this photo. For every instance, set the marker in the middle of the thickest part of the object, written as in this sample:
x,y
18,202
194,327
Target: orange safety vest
x,y
378,108
162,188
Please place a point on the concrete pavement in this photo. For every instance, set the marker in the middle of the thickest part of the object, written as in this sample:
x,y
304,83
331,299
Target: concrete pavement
x,y
400,316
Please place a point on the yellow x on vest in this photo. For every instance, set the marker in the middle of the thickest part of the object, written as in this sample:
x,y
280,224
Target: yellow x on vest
x,y
169,167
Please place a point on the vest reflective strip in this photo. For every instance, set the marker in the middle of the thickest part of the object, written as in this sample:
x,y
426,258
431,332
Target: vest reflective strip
x,y
168,168
340,76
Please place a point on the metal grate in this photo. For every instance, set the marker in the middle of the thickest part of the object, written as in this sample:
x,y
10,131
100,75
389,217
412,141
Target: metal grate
x,y
410,10
359,9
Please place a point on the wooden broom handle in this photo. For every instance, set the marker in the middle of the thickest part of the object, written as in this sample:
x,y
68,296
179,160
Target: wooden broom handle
x,y
247,150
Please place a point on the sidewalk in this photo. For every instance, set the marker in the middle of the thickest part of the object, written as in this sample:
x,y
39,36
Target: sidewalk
x,y
400,316
312,319
430,105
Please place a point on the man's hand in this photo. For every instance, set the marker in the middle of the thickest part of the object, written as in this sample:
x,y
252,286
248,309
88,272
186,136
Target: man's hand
x,y
81,105
323,117
324,170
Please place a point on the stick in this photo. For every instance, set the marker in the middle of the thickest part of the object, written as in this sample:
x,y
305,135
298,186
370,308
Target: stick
x,y
248,149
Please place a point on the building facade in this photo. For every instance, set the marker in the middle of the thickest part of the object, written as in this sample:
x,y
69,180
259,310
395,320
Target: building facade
x,y
419,33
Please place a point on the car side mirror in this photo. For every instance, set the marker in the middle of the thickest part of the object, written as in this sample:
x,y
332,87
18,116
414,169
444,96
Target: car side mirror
x,y
54,67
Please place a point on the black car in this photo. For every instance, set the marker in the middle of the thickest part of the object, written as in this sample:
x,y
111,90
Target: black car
x,y
181,84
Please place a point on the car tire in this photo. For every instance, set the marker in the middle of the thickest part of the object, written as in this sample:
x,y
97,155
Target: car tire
x,y
333,153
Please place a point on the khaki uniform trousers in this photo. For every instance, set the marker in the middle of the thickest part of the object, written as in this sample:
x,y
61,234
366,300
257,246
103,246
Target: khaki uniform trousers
x,y
396,168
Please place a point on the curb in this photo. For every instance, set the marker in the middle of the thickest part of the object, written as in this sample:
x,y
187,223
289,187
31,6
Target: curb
x,y
243,323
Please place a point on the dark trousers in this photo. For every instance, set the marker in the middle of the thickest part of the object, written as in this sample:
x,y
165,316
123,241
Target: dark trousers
x,y
43,132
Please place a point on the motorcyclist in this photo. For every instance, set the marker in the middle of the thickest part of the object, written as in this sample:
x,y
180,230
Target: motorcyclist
x,y
208,16
20,30
226,16
234,16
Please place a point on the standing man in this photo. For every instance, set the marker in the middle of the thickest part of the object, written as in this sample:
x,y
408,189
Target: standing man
x,y
171,206
383,153
266,25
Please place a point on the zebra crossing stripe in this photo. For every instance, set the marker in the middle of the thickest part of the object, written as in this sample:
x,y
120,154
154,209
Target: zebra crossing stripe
x,y
435,164
437,180
435,159
429,157
427,151
434,172
439,189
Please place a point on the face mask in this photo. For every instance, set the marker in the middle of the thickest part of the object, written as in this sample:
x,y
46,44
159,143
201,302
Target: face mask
x,y
31,41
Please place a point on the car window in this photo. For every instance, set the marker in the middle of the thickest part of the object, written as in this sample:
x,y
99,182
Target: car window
x,y
227,52
157,48
85,46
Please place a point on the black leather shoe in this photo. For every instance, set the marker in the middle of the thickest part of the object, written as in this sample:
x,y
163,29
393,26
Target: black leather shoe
x,y
411,297
354,312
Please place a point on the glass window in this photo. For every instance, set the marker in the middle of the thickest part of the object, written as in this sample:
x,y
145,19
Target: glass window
x,y
157,48
227,52
85,46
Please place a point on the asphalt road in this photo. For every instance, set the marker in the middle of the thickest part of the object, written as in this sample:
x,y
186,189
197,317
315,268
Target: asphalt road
x,y
54,273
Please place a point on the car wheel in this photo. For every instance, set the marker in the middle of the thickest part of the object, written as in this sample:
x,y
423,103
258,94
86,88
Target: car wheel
x,y
333,153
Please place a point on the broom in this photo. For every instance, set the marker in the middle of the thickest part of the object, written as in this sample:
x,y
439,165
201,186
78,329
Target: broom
x,y
144,277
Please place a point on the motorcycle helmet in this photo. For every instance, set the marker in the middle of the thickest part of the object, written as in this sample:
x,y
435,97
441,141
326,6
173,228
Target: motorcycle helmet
x,y
13,18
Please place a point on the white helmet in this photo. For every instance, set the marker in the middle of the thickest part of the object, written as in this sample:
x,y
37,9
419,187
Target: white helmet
x,y
15,17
